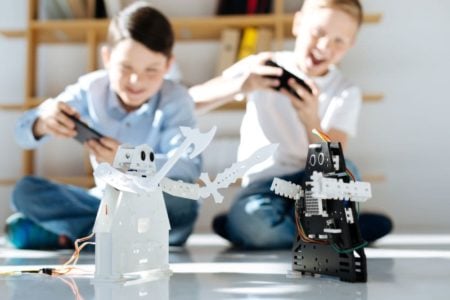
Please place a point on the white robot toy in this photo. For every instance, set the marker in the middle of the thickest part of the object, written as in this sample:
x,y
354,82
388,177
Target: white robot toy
x,y
132,225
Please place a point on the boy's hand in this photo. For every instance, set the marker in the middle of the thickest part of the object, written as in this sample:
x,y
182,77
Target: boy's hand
x,y
104,149
257,77
54,121
308,108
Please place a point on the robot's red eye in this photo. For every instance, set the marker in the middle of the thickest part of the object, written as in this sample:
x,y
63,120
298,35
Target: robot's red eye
x,y
151,156
142,155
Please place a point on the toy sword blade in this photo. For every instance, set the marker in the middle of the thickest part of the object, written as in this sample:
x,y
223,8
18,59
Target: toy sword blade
x,y
193,138
235,171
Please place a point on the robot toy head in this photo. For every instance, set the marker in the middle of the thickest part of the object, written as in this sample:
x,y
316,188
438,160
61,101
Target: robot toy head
x,y
325,157
139,160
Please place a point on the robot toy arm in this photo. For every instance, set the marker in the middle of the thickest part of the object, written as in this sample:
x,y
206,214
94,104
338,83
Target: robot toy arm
x,y
332,188
180,188
286,189
222,180
115,178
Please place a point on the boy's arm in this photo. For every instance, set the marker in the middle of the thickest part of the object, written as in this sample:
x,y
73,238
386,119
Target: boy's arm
x,y
54,120
307,109
30,131
340,119
245,76
49,119
215,92
24,130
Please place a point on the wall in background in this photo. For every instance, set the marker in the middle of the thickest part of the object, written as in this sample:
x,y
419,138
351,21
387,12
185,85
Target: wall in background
x,y
404,136
404,57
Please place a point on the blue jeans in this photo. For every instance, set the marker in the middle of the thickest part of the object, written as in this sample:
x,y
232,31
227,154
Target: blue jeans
x,y
259,219
71,211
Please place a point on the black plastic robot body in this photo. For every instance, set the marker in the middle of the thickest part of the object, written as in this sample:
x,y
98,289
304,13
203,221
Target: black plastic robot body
x,y
328,238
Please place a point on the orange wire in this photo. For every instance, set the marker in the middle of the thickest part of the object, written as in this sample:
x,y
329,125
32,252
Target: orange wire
x,y
326,138
321,135
302,234
75,256
73,286
350,173
78,249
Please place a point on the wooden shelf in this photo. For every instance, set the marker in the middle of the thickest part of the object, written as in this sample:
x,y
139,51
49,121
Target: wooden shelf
x,y
186,28
12,106
371,18
33,102
376,97
374,178
7,182
210,28
204,28
13,33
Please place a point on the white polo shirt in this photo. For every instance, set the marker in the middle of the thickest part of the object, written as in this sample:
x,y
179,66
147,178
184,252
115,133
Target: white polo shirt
x,y
271,118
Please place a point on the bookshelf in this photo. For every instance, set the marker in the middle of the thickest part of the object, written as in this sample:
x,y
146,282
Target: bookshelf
x,y
186,28
92,32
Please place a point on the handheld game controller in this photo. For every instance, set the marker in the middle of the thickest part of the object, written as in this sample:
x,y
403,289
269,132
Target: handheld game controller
x,y
284,78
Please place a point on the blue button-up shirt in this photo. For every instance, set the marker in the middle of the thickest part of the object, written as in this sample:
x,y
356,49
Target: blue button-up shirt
x,y
155,123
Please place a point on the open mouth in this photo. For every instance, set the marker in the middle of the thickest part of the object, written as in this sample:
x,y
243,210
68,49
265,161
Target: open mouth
x,y
316,58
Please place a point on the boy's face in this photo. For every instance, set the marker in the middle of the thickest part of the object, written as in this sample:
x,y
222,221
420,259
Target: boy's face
x,y
136,73
323,37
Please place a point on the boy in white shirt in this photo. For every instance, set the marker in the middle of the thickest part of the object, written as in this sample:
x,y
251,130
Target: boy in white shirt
x,y
325,30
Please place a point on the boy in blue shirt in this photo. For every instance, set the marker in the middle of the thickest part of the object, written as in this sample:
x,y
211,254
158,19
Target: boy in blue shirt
x,y
129,102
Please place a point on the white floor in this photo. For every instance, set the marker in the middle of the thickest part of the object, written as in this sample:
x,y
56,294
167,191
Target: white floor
x,y
401,266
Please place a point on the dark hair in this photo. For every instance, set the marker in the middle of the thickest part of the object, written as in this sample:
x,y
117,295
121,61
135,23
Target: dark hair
x,y
144,24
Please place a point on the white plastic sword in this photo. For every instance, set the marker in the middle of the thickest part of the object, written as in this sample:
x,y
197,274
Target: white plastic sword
x,y
193,138
231,174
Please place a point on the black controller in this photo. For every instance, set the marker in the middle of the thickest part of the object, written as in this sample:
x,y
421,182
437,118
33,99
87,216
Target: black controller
x,y
284,78
84,132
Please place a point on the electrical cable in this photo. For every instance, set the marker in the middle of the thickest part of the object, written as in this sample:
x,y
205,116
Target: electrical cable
x,y
70,264
338,250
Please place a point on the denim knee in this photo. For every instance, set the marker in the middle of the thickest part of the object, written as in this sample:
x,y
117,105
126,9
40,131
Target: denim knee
x,y
181,211
182,216
251,224
23,191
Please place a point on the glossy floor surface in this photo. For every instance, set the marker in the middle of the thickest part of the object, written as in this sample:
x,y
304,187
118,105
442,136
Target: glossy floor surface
x,y
399,267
